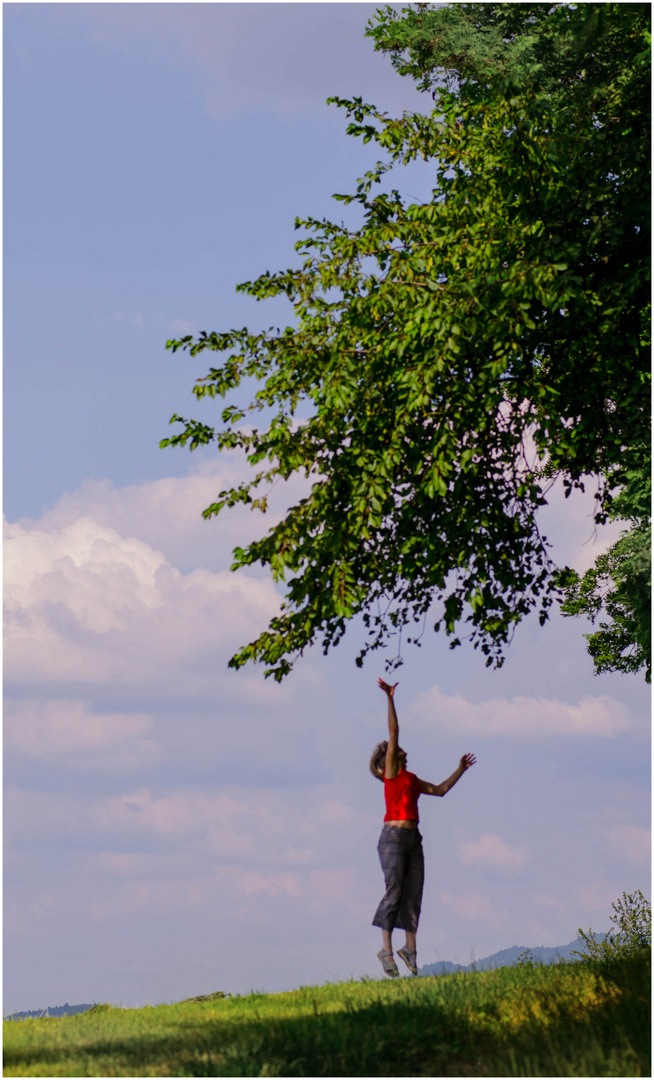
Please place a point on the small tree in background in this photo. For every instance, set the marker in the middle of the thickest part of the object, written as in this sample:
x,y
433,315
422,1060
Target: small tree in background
x,y
632,917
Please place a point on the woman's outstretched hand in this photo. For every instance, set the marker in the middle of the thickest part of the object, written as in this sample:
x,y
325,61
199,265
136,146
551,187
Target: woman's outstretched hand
x,y
390,690
467,760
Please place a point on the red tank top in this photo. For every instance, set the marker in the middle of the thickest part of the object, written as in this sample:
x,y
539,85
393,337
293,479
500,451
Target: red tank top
x,y
402,797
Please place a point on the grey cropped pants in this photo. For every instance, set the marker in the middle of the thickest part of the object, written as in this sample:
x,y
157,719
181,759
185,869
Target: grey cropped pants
x,y
400,854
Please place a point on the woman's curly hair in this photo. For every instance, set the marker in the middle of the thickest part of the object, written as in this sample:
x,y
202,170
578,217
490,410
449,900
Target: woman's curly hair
x,y
378,760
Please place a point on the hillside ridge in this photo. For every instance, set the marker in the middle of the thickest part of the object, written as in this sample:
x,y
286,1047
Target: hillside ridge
x,y
504,958
542,954
51,1010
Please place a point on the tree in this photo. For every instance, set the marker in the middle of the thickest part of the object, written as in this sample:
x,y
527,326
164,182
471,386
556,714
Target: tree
x,y
473,46
619,587
572,55
632,917
450,359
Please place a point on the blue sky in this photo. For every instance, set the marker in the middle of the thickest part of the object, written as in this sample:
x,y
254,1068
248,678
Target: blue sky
x,y
174,827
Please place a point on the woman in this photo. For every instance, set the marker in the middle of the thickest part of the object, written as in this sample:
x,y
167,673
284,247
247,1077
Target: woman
x,y
400,843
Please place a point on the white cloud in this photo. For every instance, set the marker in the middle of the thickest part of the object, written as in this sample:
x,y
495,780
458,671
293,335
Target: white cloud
x,y
132,318
570,527
181,327
87,604
223,823
166,514
167,851
71,735
491,851
476,908
281,58
524,718
632,843
259,826
225,887
334,811
548,901
595,896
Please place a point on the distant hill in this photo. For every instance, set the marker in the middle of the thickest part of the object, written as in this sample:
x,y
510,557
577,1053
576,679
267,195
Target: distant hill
x,y
508,958
52,1010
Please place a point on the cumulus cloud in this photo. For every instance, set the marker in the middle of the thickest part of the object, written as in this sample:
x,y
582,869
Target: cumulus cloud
x,y
70,735
165,851
166,514
84,603
96,613
220,823
240,825
490,851
524,718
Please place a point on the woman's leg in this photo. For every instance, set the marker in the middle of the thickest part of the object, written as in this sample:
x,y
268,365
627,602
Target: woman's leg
x,y
393,855
409,911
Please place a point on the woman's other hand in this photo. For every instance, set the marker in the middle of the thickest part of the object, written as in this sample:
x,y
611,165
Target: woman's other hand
x,y
390,690
467,760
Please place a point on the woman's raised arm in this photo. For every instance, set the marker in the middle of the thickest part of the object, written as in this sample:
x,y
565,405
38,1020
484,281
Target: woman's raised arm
x,y
392,760
467,761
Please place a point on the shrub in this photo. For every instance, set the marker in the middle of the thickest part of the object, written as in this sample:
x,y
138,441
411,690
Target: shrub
x,y
632,917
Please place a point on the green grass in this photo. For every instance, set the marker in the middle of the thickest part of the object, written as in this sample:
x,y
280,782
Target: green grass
x,y
565,1020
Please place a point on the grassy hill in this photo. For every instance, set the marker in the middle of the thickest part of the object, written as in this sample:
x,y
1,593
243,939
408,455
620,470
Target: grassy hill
x,y
561,1020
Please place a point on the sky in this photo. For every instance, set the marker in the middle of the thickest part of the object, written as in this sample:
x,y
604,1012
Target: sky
x,y
174,827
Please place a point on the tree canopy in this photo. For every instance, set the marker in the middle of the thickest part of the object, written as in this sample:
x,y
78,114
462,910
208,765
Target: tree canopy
x,y
618,588
451,358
